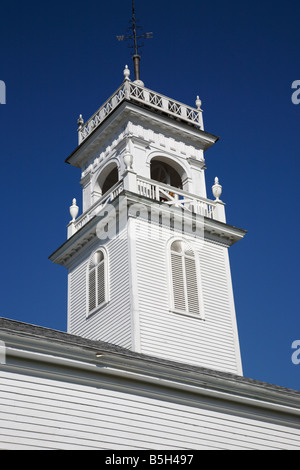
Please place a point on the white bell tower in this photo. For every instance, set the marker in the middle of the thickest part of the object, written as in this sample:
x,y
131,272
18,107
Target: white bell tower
x,y
147,258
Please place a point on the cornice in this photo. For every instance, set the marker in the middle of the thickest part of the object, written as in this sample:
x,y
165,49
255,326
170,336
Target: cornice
x,y
122,114
194,162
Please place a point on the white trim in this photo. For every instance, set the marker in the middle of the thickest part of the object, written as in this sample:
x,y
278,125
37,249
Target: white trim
x,y
69,301
96,190
133,285
187,314
233,314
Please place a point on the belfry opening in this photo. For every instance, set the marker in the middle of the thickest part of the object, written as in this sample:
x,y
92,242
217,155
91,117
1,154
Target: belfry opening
x,y
165,173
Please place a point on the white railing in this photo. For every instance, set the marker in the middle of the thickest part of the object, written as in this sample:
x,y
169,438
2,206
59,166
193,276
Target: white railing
x,y
175,197
85,129
96,208
133,92
151,189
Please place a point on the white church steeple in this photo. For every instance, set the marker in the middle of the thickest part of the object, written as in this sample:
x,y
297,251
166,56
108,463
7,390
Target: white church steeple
x,y
147,258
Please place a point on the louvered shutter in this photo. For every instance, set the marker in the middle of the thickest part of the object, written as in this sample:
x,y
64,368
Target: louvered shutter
x,y
191,285
178,282
100,283
184,278
92,289
96,281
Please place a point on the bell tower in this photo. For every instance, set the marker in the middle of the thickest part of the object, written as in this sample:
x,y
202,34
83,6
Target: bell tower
x,y
147,258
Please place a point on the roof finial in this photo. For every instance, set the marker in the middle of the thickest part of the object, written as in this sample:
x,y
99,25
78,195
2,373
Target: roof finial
x,y
198,103
136,57
126,73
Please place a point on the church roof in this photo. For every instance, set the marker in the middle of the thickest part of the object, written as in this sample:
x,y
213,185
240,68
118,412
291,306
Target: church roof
x,y
18,336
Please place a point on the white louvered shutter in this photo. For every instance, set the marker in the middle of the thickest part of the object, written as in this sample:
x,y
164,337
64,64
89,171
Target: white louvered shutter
x,y
96,280
191,285
178,281
92,289
100,283
184,278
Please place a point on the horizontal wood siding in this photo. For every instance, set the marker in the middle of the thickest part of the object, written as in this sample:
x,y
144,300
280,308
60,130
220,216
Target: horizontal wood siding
x,y
40,413
211,342
112,322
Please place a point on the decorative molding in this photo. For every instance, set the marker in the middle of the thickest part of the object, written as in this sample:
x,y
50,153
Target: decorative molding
x,y
193,162
86,179
128,110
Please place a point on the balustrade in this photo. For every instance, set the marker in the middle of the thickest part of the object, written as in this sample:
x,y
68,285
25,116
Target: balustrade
x,y
133,92
95,209
175,197
151,189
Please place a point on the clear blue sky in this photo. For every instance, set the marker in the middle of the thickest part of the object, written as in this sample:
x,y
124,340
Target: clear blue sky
x,y
60,59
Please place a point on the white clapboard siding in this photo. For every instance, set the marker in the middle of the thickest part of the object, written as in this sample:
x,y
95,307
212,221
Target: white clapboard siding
x,y
211,342
112,322
39,413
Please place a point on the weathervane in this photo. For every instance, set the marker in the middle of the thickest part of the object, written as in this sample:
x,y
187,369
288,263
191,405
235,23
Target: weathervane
x,y
136,57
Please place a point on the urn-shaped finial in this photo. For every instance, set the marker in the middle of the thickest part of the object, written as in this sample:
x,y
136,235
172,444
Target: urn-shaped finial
x,y
126,73
217,189
80,122
74,210
198,103
128,159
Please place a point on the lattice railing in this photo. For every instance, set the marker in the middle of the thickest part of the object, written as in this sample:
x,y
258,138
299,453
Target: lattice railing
x,y
131,91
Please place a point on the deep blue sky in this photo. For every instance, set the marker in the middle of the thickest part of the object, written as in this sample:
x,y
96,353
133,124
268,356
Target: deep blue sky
x,y
61,58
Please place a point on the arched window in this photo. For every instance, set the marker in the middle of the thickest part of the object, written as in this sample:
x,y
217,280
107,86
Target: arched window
x,y
97,281
185,282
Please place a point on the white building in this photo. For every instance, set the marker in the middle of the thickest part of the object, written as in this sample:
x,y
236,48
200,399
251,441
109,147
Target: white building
x,y
150,302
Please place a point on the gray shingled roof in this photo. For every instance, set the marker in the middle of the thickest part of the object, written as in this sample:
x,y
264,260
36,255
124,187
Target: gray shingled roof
x,y
55,337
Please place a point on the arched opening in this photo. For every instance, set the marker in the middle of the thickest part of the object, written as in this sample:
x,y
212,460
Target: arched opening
x,y
111,179
165,173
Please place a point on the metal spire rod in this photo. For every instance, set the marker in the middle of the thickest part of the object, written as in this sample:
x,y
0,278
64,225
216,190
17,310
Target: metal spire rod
x,y
136,57
134,29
